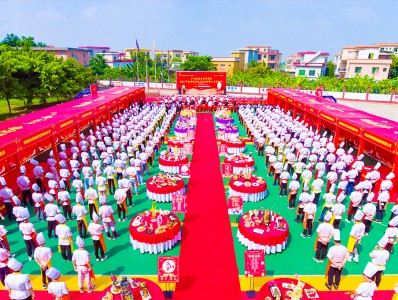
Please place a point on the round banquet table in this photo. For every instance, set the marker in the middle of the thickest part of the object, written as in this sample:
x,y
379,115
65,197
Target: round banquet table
x,y
154,242
155,290
171,166
284,285
272,241
235,147
164,193
253,193
181,132
229,131
224,122
240,164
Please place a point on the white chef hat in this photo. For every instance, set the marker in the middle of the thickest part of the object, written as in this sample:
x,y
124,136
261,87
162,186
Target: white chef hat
x,y
62,184
358,215
95,217
82,136
52,162
90,181
76,174
60,218
63,147
24,213
53,273
35,187
14,265
73,142
342,145
336,235
48,197
370,197
3,181
79,242
328,216
49,175
350,150
34,162
360,156
294,176
40,238
377,166
63,164
390,176
22,169
102,200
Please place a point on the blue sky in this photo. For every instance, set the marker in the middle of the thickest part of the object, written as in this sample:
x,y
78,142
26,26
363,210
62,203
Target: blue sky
x,y
212,27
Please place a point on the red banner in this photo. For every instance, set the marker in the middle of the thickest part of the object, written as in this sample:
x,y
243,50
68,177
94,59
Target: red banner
x,y
191,133
201,80
179,203
184,170
168,269
94,89
223,149
188,148
221,135
235,205
254,263
227,170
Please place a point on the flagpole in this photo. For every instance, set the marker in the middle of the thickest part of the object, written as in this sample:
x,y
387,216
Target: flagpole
x,y
154,59
136,59
146,66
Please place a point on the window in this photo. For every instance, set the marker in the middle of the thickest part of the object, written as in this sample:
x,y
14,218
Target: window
x,y
358,70
301,72
85,63
311,73
222,67
84,55
375,70
395,49
178,55
114,58
384,69
371,55
272,57
382,49
265,56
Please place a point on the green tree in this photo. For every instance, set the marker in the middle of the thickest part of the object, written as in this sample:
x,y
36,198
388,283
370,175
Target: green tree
x,y
8,83
98,64
11,40
198,63
394,67
330,69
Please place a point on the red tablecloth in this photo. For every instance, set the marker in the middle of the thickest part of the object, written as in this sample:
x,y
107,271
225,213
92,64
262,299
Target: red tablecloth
x,y
240,163
155,290
172,163
239,144
153,238
258,187
265,290
168,189
268,238
177,144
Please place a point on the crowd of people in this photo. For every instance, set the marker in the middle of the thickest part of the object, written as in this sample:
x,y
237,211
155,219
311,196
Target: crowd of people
x,y
303,163
111,161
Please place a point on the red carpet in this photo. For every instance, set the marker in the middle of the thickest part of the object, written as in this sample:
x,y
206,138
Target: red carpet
x,y
208,267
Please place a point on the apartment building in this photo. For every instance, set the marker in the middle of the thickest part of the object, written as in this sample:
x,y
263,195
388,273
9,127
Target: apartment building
x,y
312,64
82,56
229,64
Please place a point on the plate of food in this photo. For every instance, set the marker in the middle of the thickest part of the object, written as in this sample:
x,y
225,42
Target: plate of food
x,y
238,183
149,231
255,184
141,228
163,184
276,293
136,222
289,286
311,293
248,184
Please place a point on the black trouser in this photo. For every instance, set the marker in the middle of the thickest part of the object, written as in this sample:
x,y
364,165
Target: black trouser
x,y
118,176
30,247
377,277
367,225
290,168
81,227
283,187
111,183
321,250
98,247
51,228
334,273
271,170
276,178
66,252
121,211
91,209
308,228
266,160
27,194
336,223
66,182
42,187
44,278
292,200
300,214
316,198
261,150
150,160
67,212
8,206
352,213
129,197
4,271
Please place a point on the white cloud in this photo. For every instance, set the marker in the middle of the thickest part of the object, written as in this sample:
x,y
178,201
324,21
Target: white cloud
x,y
49,13
359,14
89,12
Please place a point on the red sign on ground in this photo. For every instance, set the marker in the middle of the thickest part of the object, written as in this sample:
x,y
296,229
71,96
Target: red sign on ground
x,y
168,269
201,80
188,148
179,203
223,149
191,133
235,205
184,170
227,170
254,263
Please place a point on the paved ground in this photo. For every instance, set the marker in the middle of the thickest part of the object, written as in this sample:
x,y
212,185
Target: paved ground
x,y
385,110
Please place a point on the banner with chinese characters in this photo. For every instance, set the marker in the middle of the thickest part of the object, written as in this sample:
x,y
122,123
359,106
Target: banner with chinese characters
x,y
94,89
184,170
188,148
201,80
226,170
235,205
179,203
221,135
191,133
223,149
168,269
254,263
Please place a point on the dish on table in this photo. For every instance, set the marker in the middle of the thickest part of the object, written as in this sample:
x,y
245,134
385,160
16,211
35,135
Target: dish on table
x,y
311,293
238,183
248,184
255,184
141,228
136,222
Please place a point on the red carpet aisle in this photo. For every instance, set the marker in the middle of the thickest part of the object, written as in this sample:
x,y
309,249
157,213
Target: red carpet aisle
x,y
208,264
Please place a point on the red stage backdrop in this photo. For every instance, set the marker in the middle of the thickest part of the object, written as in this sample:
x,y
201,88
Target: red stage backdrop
x,y
201,80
